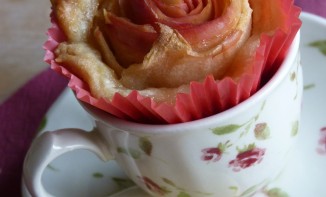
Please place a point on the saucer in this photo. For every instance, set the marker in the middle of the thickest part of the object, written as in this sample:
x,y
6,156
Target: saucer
x,y
82,174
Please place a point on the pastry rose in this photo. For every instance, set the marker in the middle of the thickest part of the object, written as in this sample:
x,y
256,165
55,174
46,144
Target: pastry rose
x,y
159,55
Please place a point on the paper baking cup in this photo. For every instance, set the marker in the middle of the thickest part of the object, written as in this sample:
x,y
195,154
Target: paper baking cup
x,y
204,99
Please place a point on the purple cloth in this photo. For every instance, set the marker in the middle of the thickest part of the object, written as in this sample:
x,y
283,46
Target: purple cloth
x,y
22,113
317,7
20,117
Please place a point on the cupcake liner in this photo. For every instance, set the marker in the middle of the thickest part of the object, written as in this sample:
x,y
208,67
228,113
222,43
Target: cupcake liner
x,y
204,98
281,41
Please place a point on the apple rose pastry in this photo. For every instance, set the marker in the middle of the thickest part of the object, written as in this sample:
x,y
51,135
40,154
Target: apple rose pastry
x,y
169,61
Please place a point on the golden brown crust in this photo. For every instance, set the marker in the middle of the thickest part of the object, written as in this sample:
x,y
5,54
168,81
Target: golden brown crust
x,y
86,63
75,17
166,69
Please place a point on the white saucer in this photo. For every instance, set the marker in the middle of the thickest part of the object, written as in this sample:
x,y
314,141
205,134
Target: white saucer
x,y
80,173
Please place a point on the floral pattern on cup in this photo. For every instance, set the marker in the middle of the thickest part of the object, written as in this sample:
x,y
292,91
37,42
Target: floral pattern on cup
x,y
145,146
294,78
309,86
228,129
170,186
295,128
123,183
262,131
322,142
253,190
276,192
247,157
153,187
181,192
320,45
214,154
273,192
245,151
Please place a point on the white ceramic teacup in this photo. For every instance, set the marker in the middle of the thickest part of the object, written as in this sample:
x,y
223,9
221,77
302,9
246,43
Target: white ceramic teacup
x,y
231,154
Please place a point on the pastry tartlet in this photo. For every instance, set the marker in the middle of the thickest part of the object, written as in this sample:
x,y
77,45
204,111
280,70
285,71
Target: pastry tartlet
x,y
155,61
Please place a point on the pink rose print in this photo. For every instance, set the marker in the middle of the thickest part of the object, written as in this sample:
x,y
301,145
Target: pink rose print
x,y
152,186
211,154
322,142
247,157
214,154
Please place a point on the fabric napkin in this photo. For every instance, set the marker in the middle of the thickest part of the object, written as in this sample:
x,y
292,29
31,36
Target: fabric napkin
x,y
22,113
20,117
317,7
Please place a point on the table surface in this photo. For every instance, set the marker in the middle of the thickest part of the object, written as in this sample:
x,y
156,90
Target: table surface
x,y
22,32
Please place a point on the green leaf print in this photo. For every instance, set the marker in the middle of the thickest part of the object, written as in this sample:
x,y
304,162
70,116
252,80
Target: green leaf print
x,y
250,191
123,183
98,175
293,76
182,190
295,128
246,148
183,194
320,44
247,128
234,188
226,129
145,145
223,130
276,192
169,182
309,86
131,152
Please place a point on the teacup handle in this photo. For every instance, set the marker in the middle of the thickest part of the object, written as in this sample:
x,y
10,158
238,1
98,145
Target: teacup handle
x,y
50,145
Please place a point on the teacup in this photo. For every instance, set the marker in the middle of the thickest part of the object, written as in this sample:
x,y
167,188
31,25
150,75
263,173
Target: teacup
x,y
230,154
